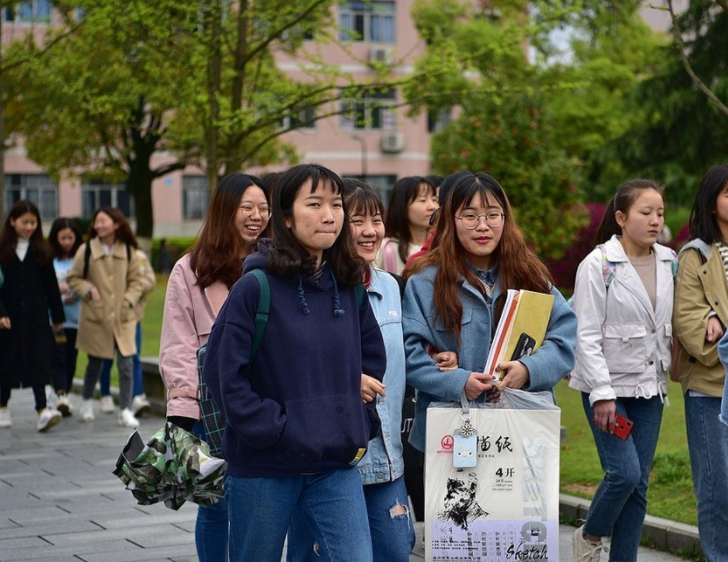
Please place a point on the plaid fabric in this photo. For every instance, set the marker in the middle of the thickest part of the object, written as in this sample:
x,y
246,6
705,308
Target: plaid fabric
x,y
212,418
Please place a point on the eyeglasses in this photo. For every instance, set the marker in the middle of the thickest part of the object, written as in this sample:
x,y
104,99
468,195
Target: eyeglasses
x,y
471,220
264,211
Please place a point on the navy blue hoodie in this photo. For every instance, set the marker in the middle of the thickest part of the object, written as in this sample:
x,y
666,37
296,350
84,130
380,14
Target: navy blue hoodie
x,y
299,409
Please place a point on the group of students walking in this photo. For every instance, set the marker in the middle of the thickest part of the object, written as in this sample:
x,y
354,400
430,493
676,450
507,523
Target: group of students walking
x,y
323,391
94,293
313,399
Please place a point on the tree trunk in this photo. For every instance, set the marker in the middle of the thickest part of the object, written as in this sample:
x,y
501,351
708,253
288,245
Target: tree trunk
x,y
139,184
234,162
213,91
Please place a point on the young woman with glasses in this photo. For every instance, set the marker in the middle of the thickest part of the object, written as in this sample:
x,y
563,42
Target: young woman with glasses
x,y
478,252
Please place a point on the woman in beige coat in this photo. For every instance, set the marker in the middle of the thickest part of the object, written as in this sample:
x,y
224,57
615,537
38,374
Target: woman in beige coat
x,y
106,273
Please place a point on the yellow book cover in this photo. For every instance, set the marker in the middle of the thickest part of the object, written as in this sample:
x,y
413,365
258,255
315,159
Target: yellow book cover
x,y
528,328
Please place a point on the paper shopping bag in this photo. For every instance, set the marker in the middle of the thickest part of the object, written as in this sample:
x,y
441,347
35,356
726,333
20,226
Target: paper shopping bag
x,y
506,507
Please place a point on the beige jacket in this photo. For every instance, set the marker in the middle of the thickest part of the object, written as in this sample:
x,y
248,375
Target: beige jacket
x,y
701,288
112,319
149,282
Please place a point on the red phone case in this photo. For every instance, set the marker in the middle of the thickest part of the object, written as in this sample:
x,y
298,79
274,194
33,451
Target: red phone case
x,y
622,427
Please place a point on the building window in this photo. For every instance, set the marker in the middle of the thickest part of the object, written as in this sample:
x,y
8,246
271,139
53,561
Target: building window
x,y
29,11
37,188
96,194
382,184
371,111
304,119
438,120
195,196
367,21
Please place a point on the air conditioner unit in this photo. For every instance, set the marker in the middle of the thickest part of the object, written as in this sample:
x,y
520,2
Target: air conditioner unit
x,y
382,55
392,142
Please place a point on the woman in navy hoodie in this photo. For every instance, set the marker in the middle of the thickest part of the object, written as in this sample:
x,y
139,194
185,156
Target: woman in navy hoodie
x,y
296,423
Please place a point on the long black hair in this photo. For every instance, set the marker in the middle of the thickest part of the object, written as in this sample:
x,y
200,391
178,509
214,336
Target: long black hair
x,y
396,225
622,201
287,256
703,222
62,224
9,237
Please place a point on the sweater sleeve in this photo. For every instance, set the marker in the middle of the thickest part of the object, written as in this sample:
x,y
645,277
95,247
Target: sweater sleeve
x,y
257,421
373,353
53,294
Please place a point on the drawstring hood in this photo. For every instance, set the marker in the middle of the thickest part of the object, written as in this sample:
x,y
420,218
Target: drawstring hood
x,y
338,311
302,296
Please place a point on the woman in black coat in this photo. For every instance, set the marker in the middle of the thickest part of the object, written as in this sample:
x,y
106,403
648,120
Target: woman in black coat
x,y
29,293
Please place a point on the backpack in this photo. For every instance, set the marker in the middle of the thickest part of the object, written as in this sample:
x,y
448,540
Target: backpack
x,y
212,418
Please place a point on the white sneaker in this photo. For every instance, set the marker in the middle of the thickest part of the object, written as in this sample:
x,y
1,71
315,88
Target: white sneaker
x,y
64,406
140,404
51,396
87,411
48,418
107,405
5,419
127,419
587,551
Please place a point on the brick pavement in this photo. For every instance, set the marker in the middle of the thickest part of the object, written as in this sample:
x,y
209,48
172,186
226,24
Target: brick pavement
x,y
59,501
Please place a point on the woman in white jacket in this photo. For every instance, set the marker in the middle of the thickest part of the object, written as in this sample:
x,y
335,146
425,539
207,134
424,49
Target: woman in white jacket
x,y
623,302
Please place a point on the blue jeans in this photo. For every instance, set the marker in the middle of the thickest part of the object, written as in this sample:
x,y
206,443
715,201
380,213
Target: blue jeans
x,y
393,536
211,532
332,502
724,404
620,503
105,375
708,445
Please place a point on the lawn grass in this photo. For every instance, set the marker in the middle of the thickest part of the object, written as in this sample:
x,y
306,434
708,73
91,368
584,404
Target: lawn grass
x,y
671,490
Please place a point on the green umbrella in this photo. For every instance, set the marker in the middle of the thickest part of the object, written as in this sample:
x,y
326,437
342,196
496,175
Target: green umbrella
x,y
173,467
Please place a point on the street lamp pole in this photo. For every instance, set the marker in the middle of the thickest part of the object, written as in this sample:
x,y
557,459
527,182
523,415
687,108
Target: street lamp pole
x,y
362,141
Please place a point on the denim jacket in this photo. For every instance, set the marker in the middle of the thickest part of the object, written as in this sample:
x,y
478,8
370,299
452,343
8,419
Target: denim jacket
x,y
422,326
383,460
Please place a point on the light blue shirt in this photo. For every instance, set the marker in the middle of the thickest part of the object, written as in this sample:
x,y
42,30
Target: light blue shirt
x,y
383,461
71,310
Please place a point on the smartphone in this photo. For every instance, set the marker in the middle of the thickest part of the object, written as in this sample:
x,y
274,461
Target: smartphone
x,y
622,427
524,346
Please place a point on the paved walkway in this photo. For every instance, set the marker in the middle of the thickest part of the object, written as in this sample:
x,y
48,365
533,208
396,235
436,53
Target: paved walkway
x,y
59,501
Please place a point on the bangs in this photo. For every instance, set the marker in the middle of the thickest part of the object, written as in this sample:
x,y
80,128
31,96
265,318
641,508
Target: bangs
x,y
363,202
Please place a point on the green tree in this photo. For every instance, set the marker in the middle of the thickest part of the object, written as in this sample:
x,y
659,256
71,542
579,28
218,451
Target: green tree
x,y
683,129
196,80
476,61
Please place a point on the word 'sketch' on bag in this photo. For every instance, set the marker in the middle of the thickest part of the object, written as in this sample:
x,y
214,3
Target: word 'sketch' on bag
x,y
211,416
504,504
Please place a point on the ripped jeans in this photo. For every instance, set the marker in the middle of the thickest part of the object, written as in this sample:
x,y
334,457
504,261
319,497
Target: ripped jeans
x,y
390,523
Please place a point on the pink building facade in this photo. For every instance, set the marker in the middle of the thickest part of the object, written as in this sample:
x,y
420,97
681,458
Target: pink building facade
x,y
384,146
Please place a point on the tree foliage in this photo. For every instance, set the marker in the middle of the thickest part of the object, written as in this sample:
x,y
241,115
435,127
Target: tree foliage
x,y
197,81
477,63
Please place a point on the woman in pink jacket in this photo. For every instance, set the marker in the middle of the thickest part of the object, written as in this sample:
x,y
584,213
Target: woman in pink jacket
x,y
198,286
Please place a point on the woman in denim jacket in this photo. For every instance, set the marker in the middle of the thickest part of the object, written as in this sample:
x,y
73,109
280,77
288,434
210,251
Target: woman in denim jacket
x,y
477,253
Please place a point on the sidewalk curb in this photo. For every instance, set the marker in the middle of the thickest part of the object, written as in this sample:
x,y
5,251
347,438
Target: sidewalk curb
x,y
662,533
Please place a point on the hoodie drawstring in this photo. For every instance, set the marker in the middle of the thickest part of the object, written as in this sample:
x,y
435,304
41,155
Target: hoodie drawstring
x,y
338,311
